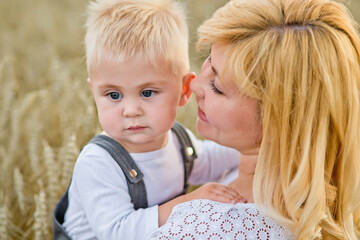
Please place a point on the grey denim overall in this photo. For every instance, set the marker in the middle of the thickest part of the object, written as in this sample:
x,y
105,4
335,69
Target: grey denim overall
x,y
134,176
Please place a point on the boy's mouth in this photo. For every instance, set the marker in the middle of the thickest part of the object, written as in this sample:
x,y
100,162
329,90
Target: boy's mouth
x,y
202,115
136,128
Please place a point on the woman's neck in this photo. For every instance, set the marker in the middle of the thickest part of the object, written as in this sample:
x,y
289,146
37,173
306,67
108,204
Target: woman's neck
x,y
244,182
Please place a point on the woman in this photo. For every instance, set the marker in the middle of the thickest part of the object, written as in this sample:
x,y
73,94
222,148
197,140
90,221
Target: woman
x,y
282,87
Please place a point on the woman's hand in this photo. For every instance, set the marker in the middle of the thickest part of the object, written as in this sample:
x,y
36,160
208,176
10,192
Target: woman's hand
x,y
212,191
216,192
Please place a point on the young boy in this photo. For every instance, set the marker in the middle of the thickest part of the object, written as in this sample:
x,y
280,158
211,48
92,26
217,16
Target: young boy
x,y
137,59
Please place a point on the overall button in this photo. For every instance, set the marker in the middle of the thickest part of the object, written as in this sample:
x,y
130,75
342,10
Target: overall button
x,y
133,173
189,151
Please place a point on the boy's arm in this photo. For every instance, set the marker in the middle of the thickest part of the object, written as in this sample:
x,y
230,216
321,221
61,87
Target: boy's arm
x,y
211,191
102,195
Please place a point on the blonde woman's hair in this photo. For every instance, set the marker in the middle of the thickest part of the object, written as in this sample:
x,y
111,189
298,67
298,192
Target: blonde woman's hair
x,y
152,30
301,60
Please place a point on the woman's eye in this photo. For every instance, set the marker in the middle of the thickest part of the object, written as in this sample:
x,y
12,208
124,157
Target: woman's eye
x,y
214,88
147,93
115,95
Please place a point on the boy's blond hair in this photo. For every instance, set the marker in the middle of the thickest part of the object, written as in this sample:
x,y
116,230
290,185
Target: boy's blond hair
x,y
152,30
301,60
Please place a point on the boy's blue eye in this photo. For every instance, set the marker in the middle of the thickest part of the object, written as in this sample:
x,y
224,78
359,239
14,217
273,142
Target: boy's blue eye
x,y
115,95
147,93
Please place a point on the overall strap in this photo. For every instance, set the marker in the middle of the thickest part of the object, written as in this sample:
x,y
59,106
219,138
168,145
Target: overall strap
x,y
59,232
187,151
134,177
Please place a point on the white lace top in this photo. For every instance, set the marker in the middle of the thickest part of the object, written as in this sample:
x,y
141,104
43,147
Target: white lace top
x,y
205,219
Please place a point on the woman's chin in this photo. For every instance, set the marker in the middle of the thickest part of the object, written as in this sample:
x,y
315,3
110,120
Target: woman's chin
x,y
202,129
206,130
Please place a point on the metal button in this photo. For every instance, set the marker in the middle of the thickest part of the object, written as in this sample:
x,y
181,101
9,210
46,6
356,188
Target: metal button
x,y
133,173
189,151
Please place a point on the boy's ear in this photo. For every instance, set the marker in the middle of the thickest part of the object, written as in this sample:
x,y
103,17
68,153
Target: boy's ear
x,y
89,82
186,92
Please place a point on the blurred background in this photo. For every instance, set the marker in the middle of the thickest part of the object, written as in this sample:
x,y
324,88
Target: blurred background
x,y
47,113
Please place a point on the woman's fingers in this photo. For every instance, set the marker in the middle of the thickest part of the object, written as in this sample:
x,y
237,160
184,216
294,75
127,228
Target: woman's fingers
x,y
228,194
223,193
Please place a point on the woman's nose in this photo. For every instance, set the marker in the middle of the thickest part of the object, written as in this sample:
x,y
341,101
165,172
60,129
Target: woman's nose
x,y
196,86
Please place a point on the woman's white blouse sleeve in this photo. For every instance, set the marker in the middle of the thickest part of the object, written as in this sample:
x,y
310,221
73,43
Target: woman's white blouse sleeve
x,y
206,219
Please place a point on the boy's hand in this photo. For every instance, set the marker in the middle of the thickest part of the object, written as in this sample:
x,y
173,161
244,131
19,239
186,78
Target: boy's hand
x,y
216,192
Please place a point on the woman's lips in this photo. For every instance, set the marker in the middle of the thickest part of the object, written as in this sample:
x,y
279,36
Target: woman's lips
x,y
202,115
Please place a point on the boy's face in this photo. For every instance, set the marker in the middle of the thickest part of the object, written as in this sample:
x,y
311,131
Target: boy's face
x,y
136,102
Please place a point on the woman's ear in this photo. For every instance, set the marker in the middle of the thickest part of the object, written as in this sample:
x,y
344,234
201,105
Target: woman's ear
x,y
186,92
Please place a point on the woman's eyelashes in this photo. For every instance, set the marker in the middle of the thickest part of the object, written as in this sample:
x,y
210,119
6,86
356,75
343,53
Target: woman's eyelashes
x,y
214,88
212,82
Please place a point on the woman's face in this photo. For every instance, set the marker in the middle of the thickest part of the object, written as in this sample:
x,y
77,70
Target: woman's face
x,y
224,115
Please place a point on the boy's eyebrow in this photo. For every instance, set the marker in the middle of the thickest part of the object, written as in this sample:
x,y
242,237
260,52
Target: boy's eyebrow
x,y
147,84
144,85
107,85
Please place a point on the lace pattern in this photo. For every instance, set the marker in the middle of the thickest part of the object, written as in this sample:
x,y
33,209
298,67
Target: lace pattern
x,y
205,219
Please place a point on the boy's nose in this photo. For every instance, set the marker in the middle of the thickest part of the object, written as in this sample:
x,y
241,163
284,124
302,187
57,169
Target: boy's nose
x,y
132,109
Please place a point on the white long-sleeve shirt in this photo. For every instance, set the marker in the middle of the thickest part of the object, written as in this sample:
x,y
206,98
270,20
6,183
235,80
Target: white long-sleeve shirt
x,y
99,203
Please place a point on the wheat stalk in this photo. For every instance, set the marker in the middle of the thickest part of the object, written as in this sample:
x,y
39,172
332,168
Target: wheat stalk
x,y
70,155
52,173
3,161
61,77
33,150
17,116
40,226
19,188
8,96
3,219
1,72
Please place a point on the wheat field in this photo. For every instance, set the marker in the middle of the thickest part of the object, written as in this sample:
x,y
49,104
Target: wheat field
x,y
46,110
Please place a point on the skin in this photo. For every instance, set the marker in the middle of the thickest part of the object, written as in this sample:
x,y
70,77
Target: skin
x,y
227,117
136,104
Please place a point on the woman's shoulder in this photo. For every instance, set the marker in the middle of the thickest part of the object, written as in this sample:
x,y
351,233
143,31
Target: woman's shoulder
x,y
214,220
